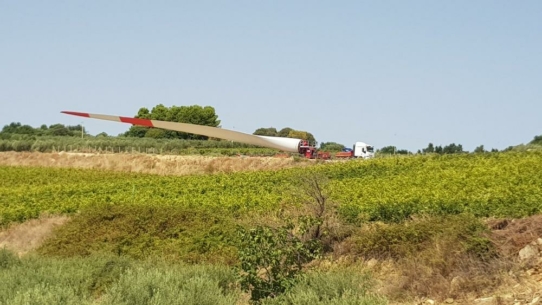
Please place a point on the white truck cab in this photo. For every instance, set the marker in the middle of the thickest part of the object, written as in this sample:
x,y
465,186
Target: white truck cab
x,y
363,150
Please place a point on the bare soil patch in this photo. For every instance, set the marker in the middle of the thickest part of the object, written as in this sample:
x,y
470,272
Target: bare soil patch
x,y
153,164
22,238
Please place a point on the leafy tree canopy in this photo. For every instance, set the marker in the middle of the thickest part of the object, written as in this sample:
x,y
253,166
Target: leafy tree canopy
x,y
479,149
537,140
43,130
448,149
392,150
194,114
271,132
286,132
331,146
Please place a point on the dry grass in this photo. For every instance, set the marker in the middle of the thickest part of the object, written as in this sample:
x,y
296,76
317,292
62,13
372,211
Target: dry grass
x,y
24,237
511,235
153,164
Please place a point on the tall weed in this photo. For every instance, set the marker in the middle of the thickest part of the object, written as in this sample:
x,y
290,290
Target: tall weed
x,y
341,287
178,285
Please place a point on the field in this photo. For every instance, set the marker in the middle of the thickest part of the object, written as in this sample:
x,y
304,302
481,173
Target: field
x,y
188,210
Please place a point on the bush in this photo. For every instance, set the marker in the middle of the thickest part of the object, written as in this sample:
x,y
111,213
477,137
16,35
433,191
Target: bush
x,y
409,238
431,253
8,259
173,285
175,233
113,280
271,259
339,287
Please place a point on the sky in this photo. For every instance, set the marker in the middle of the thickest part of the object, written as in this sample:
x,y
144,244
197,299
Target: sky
x,y
402,73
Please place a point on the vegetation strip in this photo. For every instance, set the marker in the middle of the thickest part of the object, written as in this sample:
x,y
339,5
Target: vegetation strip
x,y
496,184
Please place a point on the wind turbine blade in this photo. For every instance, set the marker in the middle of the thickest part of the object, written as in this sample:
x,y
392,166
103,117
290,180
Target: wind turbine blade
x,y
284,144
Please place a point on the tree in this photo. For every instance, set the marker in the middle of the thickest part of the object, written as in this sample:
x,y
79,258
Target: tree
x,y
537,140
58,130
479,149
11,128
270,132
331,146
136,131
430,149
161,113
26,129
194,114
284,132
298,134
155,133
390,150
43,130
17,128
199,116
452,149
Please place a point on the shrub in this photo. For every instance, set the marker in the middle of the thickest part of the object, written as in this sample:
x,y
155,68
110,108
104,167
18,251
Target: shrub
x,y
271,259
343,286
178,234
173,285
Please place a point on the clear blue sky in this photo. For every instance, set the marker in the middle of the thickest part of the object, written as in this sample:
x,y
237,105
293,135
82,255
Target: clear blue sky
x,y
401,73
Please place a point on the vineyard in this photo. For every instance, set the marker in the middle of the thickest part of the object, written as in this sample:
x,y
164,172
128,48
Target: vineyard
x,y
389,190
410,212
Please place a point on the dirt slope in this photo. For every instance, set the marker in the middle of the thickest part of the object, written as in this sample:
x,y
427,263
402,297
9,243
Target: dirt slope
x,y
24,237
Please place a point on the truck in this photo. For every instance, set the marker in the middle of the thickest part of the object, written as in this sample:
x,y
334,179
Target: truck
x,y
358,150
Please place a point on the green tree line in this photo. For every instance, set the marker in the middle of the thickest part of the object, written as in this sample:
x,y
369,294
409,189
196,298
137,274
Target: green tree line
x,y
43,130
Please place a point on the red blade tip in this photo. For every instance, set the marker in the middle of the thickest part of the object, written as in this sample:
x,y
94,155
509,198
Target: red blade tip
x,y
86,115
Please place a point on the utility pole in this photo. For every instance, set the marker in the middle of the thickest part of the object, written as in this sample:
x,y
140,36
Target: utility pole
x,y
82,130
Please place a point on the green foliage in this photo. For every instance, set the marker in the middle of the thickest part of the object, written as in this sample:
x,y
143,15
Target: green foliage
x,y
36,280
8,259
155,133
108,273
430,149
191,235
452,149
331,146
304,135
270,132
500,184
271,259
479,149
114,280
537,140
43,130
341,287
286,133
194,114
448,149
137,131
173,285
408,239
11,142
392,150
